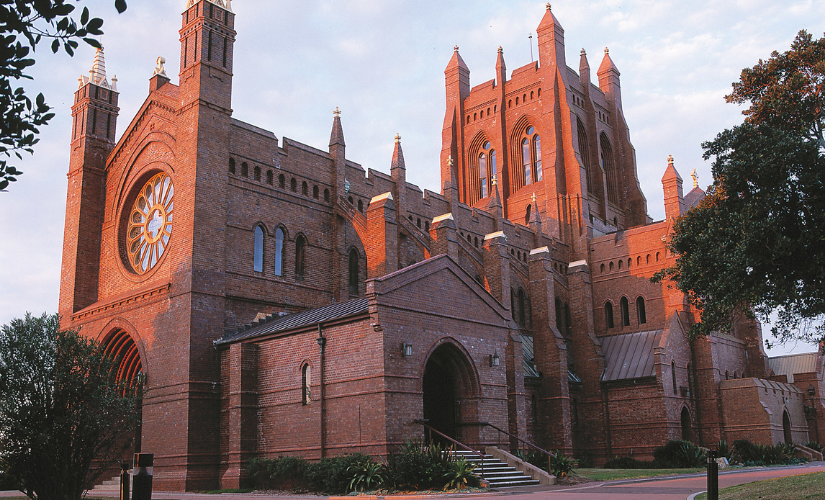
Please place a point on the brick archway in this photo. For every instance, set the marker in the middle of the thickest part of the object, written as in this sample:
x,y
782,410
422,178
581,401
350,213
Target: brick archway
x,y
128,369
450,393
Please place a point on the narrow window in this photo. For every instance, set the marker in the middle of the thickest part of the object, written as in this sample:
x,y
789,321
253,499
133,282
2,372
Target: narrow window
x,y
608,314
568,321
673,375
559,315
108,125
293,185
258,173
360,205
493,167
258,258
300,255
225,49
185,47
279,252
537,163
521,303
525,160
94,120
306,383
326,194
640,310
625,312
609,168
305,189
231,165
315,192
353,272
195,50
209,47
482,174
281,181
269,177
244,170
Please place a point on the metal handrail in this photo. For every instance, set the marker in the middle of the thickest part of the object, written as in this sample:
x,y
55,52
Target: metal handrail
x,y
528,443
462,445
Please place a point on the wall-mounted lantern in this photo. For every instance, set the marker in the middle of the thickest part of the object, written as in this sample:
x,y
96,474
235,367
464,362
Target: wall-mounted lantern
x,y
406,349
495,359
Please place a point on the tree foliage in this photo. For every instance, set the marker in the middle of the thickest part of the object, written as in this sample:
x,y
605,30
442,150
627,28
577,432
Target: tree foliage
x,y
23,25
63,416
756,242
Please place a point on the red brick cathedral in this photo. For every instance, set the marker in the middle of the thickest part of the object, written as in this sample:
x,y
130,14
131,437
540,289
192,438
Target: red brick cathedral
x,y
275,298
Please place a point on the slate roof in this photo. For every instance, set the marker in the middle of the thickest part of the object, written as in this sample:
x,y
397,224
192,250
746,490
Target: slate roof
x,y
629,356
793,364
693,198
530,369
274,323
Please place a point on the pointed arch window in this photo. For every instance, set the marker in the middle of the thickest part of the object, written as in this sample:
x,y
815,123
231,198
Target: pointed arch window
x,y
608,314
609,168
530,158
306,385
520,300
673,375
537,157
482,174
640,310
525,158
559,316
300,256
279,252
258,256
354,272
625,312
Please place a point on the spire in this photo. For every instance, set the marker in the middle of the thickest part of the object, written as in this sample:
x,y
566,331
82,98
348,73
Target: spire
x,y
450,188
672,186
535,218
97,73
670,172
607,63
337,135
551,42
456,61
397,155
224,4
549,20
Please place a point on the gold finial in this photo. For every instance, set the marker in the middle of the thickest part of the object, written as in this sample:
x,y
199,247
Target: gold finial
x,y
548,5
695,179
669,160
455,48
583,53
606,51
495,180
534,197
337,112
500,50
450,161
397,137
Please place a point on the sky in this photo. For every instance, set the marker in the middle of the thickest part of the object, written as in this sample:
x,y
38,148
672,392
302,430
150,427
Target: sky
x,y
381,62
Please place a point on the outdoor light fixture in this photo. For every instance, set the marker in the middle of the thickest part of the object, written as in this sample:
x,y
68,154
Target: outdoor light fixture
x,y
495,359
406,349
811,391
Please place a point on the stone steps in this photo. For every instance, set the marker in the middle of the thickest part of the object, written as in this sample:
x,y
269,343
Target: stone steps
x,y
497,473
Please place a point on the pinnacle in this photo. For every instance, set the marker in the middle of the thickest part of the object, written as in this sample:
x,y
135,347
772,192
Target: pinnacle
x,y
397,155
671,173
337,135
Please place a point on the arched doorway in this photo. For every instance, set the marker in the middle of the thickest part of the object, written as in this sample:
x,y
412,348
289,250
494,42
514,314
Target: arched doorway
x,y
786,427
128,368
685,420
450,393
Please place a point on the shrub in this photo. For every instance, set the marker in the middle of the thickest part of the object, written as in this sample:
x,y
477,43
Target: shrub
x,y
814,446
747,453
679,454
282,473
365,475
586,460
722,449
415,467
460,475
332,475
534,457
561,466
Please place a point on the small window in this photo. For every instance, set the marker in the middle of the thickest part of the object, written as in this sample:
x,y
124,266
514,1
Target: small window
x,y
244,170
315,192
418,223
231,165
300,256
293,185
657,256
727,377
625,312
353,272
601,268
559,315
326,195
427,226
360,205
648,259
639,260
537,161
258,174
521,301
468,118
510,103
673,375
269,177
476,241
306,384
640,310
531,95
351,200
620,264
610,266
258,257
608,314
304,189
279,252
281,181
525,159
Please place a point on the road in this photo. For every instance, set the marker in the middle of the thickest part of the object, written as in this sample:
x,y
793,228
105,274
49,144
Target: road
x,y
668,488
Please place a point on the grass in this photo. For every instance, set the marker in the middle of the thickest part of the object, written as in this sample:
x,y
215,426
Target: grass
x,y
799,487
231,490
612,474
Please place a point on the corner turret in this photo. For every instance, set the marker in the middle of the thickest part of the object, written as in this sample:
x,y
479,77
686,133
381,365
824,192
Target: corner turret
x,y
672,185
398,171
551,41
609,79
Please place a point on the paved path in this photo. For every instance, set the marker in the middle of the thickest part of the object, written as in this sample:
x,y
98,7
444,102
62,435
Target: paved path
x,y
668,488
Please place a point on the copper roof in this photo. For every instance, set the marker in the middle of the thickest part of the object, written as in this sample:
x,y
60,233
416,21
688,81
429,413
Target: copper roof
x,y
630,355
793,364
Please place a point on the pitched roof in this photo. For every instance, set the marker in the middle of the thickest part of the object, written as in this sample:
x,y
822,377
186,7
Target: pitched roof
x,y
630,355
530,369
793,364
693,197
274,323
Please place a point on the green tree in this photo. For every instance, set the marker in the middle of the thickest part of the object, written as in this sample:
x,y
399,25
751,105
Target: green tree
x,y
756,243
63,416
23,24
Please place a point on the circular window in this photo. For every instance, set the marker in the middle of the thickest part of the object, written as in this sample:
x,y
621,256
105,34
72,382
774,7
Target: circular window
x,y
530,130
150,223
486,145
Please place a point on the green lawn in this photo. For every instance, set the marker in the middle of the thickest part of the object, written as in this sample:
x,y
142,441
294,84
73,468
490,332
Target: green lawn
x,y
611,474
799,487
